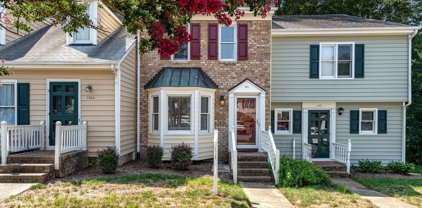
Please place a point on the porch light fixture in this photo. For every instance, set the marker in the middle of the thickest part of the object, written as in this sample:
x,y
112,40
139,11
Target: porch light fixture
x,y
88,88
222,101
340,111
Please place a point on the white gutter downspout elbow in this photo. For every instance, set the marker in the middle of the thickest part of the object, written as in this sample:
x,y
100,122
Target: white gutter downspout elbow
x,y
138,96
409,91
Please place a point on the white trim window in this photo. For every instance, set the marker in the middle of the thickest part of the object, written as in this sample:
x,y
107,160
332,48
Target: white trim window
x,y
8,101
2,30
183,54
337,60
368,120
179,113
205,114
228,42
155,114
86,35
283,121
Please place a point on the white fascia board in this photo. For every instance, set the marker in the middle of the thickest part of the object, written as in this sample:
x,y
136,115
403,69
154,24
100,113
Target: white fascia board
x,y
344,31
57,65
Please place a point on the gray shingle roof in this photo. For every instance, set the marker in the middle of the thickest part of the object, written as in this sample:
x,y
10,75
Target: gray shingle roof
x,y
303,22
48,45
181,77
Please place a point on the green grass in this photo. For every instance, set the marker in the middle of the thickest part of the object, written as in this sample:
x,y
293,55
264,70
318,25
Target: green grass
x,y
142,190
324,196
408,190
418,169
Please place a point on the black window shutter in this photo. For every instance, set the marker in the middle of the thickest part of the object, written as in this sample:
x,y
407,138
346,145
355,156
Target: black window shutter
x,y
382,121
314,62
23,104
272,121
297,122
359,61
354,122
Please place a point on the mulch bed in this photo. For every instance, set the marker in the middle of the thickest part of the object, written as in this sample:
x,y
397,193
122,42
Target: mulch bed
x,y
385,175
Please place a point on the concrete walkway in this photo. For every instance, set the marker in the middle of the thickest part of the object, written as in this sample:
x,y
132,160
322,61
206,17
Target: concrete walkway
x,y
378,199
11,189
264,195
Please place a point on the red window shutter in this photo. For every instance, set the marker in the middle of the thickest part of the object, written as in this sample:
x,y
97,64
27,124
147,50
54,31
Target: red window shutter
x,y
195,44
242,42
212,41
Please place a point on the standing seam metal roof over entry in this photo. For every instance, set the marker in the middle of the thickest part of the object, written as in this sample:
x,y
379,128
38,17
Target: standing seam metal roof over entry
x,y
181,77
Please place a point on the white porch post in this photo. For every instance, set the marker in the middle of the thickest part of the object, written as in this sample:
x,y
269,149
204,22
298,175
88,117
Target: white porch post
x,y
57,145
231,116
261,117
161,114
84,135
3,137
196,108
43,142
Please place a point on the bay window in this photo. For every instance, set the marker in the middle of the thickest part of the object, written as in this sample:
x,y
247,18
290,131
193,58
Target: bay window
x,y
8,102
179,115
336,60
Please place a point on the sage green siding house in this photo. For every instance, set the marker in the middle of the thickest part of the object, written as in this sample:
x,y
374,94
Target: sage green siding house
x,y
337,78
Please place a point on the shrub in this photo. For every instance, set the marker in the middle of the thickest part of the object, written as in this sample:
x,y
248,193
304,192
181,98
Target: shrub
x,y
368,166
299,173
108,160
154,156
181,156
401,167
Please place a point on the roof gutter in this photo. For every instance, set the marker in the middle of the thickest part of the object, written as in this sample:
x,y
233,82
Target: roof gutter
x,y
344,31
55,66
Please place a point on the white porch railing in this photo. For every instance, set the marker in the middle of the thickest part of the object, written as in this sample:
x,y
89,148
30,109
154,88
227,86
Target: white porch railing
x,y
18,138
69,138
233,155
268,145
342,154
307,152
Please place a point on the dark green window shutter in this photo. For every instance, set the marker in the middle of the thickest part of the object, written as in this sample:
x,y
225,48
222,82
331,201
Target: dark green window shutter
x,y
297,122
314,62
272,121
359,61
382,122
354,122
23,103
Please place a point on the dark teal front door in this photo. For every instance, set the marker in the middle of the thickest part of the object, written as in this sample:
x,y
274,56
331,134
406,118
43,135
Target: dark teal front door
x,y
319,133
64,106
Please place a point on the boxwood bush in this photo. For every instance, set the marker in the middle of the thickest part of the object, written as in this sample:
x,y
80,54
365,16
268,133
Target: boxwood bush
x,y
181,156
107,160
401,167
299,173
368,166
154,155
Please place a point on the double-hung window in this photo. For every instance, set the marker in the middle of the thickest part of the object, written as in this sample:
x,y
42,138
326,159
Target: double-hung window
x,y
179,113
183,52
283,121
8,102
155,114
336,60
205,114
227,43
368,120
86,35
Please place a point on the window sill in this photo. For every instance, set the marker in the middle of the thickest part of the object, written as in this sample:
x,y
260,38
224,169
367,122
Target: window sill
x,y
321,78
368,133
181,132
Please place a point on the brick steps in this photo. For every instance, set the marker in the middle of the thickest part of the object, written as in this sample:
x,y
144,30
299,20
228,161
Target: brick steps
x,y
38,160
251,164
263,179
252,167
252,171
333,168
23,177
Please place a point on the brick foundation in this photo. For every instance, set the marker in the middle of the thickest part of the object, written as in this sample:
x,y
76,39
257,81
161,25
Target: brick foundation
x,y
72,162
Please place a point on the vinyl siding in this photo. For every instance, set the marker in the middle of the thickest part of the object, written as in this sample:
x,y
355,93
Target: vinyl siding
x,y
384,147
386,70
128,104
97,107
106,22
284,142
206,146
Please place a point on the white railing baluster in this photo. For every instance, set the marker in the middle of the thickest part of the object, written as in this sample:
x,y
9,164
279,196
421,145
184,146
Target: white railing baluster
x,y
268,145
342,153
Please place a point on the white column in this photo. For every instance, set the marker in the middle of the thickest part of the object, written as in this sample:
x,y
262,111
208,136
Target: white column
x,y
161,114
231,115
304,128
3,137
332,131
261,118
197,108
117,108
57,145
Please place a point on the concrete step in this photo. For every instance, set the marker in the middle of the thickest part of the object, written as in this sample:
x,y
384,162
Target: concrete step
x,y
255,178
27,168
252,164
38,160
253,172
23,177
252,156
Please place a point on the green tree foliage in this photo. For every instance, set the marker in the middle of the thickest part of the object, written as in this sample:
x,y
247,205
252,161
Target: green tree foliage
x,y
403,11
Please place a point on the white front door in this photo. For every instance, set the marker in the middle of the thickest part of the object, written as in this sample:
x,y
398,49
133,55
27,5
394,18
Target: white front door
x,y
246,118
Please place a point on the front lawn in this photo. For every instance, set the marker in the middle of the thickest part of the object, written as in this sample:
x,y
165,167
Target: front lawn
x,y
418,169
407,190
324,196
141,190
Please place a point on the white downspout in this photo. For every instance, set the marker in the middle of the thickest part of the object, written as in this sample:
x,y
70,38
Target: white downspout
x,y
409,91
138,95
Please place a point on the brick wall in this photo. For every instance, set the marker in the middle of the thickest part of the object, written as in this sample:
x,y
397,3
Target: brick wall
x,y
224,74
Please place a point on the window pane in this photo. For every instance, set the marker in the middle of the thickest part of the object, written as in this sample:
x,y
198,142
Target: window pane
x,y
7,94
367,126
328,53
155,104
345,69
69,105
368,116
282,125
204,104
179,113
204,122
155,122
344,52
283,115
227,34
327,69
182,54
81,35
8,115
227,51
